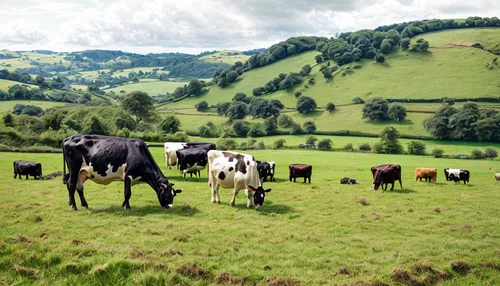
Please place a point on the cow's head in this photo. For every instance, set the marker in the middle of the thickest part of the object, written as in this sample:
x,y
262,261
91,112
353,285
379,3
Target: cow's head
x,y
166,194
259,195
377,179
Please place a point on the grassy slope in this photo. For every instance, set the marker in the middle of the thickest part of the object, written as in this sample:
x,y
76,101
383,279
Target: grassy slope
x,y
227,57
151,87
9,104
303,231
6,84
488,37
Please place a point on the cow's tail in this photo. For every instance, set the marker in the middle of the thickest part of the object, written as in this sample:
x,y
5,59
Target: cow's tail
x,y
64,179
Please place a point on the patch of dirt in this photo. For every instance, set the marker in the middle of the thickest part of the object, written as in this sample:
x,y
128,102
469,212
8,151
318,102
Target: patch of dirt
x,y
138,252
282,281
376,215
76,242
342,271
52,175
363,202
158,265
22,239
182,238
25,271
433,275
461,267
229,279
38,218
492,265
98,269
186,207
192,270
368,283
174,251
267,267
43,234
405,277
438,210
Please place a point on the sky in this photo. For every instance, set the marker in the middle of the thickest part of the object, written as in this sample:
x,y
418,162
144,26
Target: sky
x,y
188,26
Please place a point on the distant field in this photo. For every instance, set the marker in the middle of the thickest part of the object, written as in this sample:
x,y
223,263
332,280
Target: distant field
x,y
11,53
16,63
227,57
9,104
6,84
151,87
125,72
488,37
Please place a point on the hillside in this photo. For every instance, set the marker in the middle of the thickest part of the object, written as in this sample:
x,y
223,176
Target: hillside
x,y
227,57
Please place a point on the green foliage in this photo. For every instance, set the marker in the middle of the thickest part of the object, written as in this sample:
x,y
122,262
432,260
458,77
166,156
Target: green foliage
x,y
285,121
31,110
405,43
306,70
449,101
416,148
94,124
330,107
437,152
259,91
256,130
420,46
306,104
237,110
380,58
140,105
365,147
208,130
201,106
178,136
242,97
270,125
389,141
296,129
309,126
490,152
124,132
477,154
262,108
385,47
226,144
378,148
241,128
170,124
325,144
318,59
376,109
462,122
278,144
397,112
394,37
310,139
194,87
124,120
348,147
222,108
261,145
358,100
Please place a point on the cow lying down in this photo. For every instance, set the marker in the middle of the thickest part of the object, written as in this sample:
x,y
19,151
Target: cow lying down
x,y
346,180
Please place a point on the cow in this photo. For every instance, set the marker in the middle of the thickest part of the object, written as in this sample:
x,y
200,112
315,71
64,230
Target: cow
x,y
237,171
266,169
497,176
192,160
300,171
104,159
429,174
27,168
457,175
172,147
346,180
386,174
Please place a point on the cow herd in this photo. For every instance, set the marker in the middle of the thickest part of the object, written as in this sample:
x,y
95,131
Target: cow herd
x,y
104,159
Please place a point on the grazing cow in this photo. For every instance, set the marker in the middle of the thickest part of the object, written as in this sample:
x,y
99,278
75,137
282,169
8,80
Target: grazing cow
x,y
497,176
172,147
386,174
27,168
300,171
237,171
192,160
457,175
429,174
266,169
346,180
104,159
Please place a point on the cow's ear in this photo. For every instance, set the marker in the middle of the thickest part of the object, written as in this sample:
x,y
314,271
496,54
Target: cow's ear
x,y
172,184
252,188
267,191
178,191
164,186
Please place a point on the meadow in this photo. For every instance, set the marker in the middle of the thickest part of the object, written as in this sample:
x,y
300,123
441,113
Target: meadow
x,y
487,37
313,234
151,87
9,104
227,56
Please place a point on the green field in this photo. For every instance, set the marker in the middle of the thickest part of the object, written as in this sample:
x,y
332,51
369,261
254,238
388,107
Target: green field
x,y
8,52
151,87
5,84
487,37
227,57
304,233
9,104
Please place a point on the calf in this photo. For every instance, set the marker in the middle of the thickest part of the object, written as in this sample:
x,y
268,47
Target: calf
x,y
237,171
27,168
266,169
429,174
346,180
104,159
386,174
300,171
172,147
192,160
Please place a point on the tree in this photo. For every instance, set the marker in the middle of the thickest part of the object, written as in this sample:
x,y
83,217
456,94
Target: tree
x,y
201,106
449,101
285,121
325,144
237,110
397,112
490,152
170,124
93,124
306,104
394,37
194,87
280,143
420,46
463,122
256,130
8,120
296,129
386,46
389,140
380,58
348,147
226,144
438,124
270,125
330,107
222,108
477,154
306,70
242,97
124,120
365,147
241,128
140,105
416,148
310,139
39,79
437,152
405,43
309,127
318,58
376,109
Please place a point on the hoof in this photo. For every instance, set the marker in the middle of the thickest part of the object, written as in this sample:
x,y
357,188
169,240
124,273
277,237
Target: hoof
x,y
74,208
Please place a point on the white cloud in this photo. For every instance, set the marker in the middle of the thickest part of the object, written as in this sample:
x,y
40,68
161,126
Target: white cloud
x,y
194,26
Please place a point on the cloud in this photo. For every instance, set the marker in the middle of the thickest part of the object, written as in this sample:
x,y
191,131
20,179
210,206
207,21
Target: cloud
x,y
20,32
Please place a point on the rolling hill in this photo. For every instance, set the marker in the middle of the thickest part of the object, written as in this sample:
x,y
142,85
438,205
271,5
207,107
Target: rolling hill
x,y
227,57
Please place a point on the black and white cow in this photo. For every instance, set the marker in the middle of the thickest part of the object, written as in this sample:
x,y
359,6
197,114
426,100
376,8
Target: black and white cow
x,y
192,160
27,168
346,180
237,171
457,175
266,169
172,147
104,159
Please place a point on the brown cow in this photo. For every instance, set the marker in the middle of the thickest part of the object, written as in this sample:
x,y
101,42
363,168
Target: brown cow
x,y
429,174
300,171
385,174
497,176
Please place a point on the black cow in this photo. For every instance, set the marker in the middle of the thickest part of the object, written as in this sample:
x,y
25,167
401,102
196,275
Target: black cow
x,y
192,160
266,169
27,168
104,159
346,180
386,174
300,171
172,147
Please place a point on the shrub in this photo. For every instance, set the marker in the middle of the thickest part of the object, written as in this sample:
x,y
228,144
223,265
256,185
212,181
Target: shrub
x,y
179,136
124,132
226,144
325,144
309,127
296,129
380,58
311,139
397,112
270,125
241,128
416,148
280,143
306,104
285,121
201,106
378,148
477,154
437,152
376,109
330,107
358,100
365,147
256,130
169,125
261,145
490,152
348,147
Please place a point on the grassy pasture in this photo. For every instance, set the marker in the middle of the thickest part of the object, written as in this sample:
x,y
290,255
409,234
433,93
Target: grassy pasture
x,y
227,57
151,87
304,232
5,84
9,104
489,38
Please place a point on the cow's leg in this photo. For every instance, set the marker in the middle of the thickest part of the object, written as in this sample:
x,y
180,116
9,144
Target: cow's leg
x,y
294,179
127,192
15,176
26,177
309,179
235,193
71,185
305,179
79,189
215,192
250,202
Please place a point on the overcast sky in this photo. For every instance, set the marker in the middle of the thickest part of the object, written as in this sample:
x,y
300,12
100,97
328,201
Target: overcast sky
x,y
189,26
